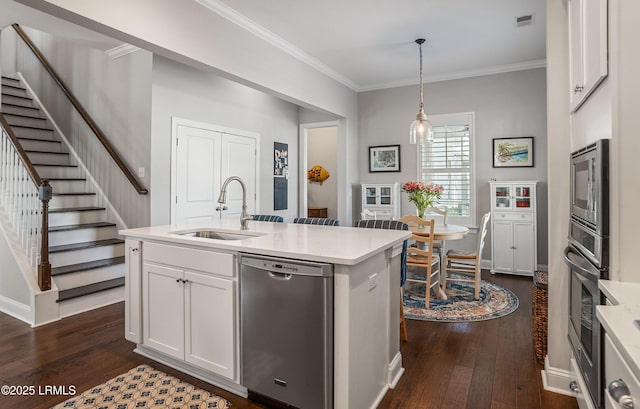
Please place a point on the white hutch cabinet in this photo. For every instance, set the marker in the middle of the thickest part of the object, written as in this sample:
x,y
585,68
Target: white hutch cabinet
x,y
383,199
513,227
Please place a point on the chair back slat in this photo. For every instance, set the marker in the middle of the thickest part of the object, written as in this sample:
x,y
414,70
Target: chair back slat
x,y
482,233
441,213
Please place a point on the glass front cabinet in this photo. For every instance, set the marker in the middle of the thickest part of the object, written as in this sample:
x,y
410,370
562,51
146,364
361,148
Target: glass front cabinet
x,y
513,227
381,199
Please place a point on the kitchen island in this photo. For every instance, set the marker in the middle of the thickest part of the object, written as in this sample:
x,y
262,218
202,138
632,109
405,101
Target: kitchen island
x,y
182,303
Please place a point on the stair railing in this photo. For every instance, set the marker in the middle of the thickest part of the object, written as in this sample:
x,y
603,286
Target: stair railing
x,y
25,197
83,112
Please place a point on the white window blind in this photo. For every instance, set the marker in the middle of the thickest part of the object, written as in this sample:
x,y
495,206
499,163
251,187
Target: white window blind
x,y
448,161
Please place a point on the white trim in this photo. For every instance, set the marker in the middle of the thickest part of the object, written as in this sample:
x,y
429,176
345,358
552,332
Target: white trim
x,y
261,32
176,122
121,50
302,154
498,69
395,370
102,197
17,310
556,380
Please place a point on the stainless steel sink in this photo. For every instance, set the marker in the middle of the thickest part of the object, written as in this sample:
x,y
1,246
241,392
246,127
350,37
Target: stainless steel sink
x,y
216,234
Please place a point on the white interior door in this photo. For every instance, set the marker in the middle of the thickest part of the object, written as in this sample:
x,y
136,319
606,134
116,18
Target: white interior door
x,y
238,159
197,174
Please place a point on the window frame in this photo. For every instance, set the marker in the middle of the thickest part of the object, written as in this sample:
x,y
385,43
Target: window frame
x,y
455,119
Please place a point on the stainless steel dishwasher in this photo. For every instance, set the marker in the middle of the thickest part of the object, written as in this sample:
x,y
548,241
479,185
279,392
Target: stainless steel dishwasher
x,y
286,315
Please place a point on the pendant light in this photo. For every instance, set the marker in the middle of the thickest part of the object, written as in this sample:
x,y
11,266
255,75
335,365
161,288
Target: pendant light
x,y
420,128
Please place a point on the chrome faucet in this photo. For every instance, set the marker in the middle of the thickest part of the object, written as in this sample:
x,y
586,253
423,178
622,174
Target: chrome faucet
x,y
222,199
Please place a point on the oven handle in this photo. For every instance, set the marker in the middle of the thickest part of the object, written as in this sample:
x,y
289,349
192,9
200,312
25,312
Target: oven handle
x,y
580,263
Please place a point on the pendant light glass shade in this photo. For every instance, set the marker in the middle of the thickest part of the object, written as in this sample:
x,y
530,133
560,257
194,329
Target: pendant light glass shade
x,y
420,130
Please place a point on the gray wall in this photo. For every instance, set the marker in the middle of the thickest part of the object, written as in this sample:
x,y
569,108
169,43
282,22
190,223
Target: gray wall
x,y
117,95
505,105
184,92
322,149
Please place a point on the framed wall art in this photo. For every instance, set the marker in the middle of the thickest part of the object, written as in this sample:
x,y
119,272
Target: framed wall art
x,y
384,158
513,152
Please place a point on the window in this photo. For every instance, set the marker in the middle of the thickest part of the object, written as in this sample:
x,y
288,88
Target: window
x,y
449,161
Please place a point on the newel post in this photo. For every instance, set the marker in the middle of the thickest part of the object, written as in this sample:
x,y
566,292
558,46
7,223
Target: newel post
x,y
44,268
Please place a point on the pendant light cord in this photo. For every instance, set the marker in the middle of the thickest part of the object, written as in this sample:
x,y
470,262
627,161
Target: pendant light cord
x,y
421,86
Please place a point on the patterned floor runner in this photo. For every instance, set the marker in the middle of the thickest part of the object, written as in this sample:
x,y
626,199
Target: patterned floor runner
x,y
145,387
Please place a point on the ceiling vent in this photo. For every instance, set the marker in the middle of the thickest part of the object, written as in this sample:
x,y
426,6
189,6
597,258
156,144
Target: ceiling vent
x,y
525,20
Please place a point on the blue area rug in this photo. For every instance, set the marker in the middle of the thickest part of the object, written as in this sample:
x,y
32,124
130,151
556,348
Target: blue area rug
x,y
495,302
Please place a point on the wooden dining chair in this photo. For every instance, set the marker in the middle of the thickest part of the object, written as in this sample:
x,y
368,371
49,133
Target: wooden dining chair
x,y
440,216
393,225
423,257
466,264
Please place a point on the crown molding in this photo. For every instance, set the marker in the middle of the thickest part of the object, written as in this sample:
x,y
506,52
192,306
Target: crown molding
x,y
498,69
251,26
121,50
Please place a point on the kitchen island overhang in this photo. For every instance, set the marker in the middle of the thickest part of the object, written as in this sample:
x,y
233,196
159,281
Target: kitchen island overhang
x,y
367,264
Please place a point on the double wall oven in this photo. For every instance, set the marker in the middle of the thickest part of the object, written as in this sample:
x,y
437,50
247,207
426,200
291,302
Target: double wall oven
x,y
587,257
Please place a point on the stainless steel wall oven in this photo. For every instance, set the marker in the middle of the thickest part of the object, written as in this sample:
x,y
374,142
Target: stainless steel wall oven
x,y
587,257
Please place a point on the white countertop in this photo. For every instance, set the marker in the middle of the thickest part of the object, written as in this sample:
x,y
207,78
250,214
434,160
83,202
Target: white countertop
x,y
329,244
617,320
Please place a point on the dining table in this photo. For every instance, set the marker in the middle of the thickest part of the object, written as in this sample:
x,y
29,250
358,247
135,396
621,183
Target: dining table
x,y
442,232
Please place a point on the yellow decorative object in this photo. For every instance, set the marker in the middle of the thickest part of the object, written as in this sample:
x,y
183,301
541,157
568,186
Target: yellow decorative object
x,y
317,174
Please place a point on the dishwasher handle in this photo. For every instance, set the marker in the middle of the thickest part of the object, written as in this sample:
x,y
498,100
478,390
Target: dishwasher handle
x,y
280,276
287,266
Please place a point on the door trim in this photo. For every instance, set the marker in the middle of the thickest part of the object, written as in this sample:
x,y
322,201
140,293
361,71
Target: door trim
x,y
302,188
176,122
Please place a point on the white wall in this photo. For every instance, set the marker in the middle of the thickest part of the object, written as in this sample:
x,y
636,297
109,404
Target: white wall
x,y
506,105
190,33
322,148
185,92
117,95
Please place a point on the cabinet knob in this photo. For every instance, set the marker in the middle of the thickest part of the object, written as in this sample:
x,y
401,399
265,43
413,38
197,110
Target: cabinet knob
x,y
619,391
577,89
574,387
134,250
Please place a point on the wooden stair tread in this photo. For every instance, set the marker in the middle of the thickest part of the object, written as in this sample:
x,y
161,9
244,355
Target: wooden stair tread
x,y
49,153
80,226
90,289
84,245
9,78
67,179
14,87
36,139
75,194
24,116
33,127
19,106
49,164
75,209
74,268
17,96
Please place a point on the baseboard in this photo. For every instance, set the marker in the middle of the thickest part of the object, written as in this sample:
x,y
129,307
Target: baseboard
x,y
395,371
556,380
16,310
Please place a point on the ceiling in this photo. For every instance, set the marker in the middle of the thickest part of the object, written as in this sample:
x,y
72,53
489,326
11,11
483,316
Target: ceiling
x,y
369,44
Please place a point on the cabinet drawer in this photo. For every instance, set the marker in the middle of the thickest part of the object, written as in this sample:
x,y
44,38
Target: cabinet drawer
x,y
191,259
616,368
513,216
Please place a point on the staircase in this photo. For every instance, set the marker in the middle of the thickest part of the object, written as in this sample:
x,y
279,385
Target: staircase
x,y
86,255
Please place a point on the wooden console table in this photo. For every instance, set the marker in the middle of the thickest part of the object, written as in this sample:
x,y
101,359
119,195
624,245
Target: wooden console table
x,y
315,211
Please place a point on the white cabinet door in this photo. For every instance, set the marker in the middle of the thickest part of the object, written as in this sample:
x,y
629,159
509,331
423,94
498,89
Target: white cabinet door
x,y
523,237
587,48
502,243
163,309
209,323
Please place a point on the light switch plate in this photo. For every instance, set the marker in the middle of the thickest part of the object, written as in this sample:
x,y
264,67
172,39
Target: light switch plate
x,y
373,281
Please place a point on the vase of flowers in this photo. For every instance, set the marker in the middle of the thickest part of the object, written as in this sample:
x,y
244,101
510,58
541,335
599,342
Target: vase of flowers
x,y
422,195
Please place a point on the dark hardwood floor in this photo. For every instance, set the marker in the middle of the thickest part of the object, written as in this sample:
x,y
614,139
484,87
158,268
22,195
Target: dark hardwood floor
x,y
489,364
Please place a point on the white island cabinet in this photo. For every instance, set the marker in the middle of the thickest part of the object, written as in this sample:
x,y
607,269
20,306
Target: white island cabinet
x,y
182,300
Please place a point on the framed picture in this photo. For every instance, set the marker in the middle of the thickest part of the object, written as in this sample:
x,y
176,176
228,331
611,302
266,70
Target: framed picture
x,y
384,158
513,152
